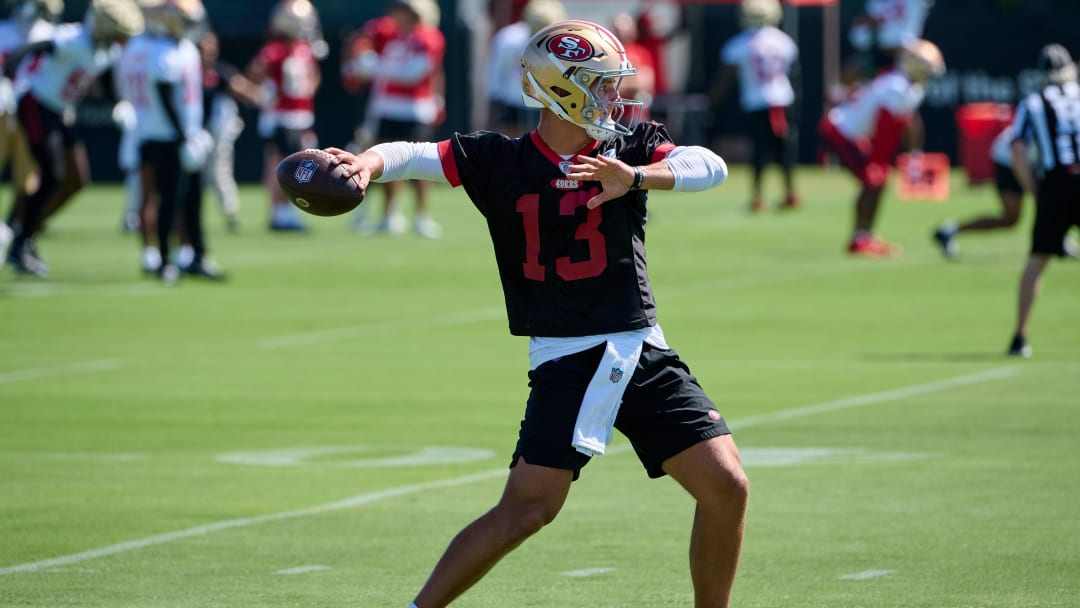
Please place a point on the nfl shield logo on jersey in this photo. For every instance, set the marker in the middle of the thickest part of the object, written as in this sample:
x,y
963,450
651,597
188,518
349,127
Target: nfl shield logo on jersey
x,y
616,375
305,171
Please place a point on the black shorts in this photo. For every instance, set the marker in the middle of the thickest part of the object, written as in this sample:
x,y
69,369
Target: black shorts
x,y
770,145
664,410
1057,209
389,130
286,141
41,125
1005,179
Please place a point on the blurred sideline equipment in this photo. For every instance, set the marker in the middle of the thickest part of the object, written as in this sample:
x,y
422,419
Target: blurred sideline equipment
x,y
313,183
922,177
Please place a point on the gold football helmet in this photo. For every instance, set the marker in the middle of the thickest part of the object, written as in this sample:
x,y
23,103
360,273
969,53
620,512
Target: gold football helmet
x,y
174,18
574,69
760,13
921,60
109,20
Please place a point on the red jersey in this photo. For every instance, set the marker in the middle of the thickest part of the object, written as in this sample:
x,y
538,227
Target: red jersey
x,y
373,36
409,76
291,71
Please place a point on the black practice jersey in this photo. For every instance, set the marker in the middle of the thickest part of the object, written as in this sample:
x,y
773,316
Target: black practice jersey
x,y
566,270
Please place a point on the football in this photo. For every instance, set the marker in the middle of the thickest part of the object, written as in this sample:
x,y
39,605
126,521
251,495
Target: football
x,y
312,182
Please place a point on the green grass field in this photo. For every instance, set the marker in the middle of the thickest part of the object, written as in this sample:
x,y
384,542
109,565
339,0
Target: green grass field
x,y
313,432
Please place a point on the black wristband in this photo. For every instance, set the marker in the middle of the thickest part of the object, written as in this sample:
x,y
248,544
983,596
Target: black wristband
x,y
639,178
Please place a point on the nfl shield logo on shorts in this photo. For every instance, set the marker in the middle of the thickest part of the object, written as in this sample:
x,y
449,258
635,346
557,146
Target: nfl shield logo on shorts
x,y
616,375
305,171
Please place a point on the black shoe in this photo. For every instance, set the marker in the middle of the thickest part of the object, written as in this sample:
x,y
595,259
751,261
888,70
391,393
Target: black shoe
x,y
1019,347
24,261
204,269
946,239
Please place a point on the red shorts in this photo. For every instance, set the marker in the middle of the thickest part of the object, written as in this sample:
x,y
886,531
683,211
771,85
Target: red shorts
x,y
855,155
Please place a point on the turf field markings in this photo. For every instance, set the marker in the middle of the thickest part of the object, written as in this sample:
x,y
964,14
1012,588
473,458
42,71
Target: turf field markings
x,y
203,530
865,575
587,572
879,397
304,569
372,497
84,367
384,328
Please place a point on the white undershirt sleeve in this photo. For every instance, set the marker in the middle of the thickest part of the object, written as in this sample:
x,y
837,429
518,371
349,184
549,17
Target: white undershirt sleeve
x,y
696,168
410,160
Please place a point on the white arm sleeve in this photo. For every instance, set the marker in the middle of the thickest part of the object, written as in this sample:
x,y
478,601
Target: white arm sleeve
x,y
696,168
410,160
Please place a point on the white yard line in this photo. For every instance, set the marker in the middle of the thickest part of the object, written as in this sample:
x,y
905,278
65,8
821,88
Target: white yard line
x,y
873,398
371,497
85,367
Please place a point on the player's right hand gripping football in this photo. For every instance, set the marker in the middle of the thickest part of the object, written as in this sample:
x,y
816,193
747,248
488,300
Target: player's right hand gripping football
x,y
366,166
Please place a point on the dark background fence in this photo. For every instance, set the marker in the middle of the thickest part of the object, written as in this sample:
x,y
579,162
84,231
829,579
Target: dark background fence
x,y
989,46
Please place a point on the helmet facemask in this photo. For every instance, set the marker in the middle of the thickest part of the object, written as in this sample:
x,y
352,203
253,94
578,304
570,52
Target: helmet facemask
x,y
574,69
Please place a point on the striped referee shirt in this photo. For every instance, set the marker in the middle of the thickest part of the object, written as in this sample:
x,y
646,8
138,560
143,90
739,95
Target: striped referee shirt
x,y
1050,120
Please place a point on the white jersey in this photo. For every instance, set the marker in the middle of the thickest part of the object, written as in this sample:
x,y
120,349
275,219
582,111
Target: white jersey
x,y
60,79
899,22
764,57
504,64
152,60
892,91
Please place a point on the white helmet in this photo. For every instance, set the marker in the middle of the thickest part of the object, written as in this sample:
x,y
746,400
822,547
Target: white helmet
x,y
175,18
563,68
110,19
295,19
760,13
921,60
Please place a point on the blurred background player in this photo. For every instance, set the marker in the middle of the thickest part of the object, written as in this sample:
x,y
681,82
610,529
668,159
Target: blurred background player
x,y
1010,194
507,112
406,103
356,62
762,58
880,32
161,76
54,81
642,85
1048,119
30,21
865,133
288,70
223,86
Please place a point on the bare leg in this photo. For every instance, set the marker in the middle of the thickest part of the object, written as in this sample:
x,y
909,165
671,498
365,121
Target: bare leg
x,y
712,473
866,207
1030,285
532,498
1010,214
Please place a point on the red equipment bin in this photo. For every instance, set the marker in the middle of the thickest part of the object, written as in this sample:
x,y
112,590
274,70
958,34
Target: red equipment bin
x,y
977,126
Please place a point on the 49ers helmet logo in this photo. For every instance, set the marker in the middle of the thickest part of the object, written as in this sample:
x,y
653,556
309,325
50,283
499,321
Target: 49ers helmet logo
x,y
571,47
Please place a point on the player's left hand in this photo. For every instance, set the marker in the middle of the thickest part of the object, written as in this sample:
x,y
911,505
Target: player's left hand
x,y
615,176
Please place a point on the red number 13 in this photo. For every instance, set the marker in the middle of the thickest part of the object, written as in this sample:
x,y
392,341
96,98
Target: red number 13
x,y
567,269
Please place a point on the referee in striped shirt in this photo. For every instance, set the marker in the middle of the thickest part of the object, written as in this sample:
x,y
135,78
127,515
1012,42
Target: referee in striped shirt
x,y
1049,120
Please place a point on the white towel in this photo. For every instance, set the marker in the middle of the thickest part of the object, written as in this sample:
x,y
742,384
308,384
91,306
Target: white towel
x,y
596,418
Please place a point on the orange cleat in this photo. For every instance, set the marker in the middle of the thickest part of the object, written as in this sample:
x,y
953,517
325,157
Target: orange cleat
x,y
870,246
